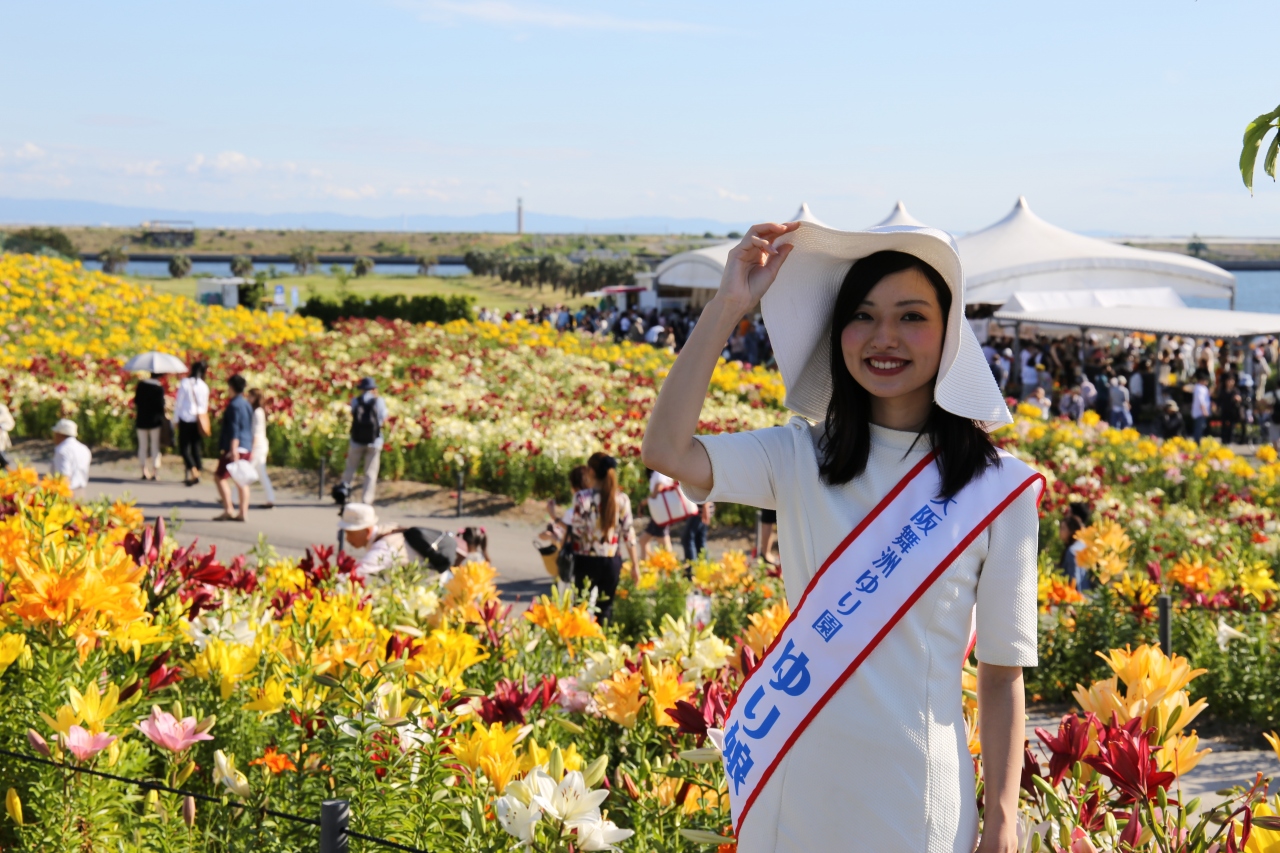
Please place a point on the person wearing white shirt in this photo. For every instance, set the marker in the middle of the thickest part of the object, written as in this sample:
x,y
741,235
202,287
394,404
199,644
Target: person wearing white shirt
x,y
1200,406
261,448
652,334
1030,376
191,420
658,482
71,459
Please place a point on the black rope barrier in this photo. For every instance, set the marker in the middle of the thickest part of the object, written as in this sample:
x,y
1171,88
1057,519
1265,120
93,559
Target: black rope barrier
x,y
149,785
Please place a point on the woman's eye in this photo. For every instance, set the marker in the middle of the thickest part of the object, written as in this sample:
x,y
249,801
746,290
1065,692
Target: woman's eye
x,y
913,316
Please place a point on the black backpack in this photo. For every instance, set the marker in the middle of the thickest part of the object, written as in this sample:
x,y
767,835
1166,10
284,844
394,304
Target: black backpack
x,y
365,428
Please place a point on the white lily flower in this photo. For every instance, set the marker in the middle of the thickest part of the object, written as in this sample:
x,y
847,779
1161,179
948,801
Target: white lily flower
x,y
536,783
517,819
571,802
1226,634
226,774
601,835
716,736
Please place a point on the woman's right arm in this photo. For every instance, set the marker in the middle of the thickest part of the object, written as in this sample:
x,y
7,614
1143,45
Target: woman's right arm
x,y
669,445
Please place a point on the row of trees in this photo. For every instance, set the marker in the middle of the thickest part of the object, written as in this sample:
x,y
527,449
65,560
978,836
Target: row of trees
x,y
557,271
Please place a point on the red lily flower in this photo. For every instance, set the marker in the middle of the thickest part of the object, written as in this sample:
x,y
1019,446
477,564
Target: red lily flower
x,y
1068,746
1125,757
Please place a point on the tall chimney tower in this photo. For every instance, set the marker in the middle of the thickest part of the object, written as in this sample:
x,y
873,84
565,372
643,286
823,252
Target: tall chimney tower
x,y
519,216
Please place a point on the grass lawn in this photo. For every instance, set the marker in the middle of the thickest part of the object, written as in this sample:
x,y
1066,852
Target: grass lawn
x,y
488,291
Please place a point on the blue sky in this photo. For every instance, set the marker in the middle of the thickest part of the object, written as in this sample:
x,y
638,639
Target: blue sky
x,y
1110,117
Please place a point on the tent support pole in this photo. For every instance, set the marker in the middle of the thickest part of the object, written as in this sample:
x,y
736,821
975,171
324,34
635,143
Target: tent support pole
x,y
1084,348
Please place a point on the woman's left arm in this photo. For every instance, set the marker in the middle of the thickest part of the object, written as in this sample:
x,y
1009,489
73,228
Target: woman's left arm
x,y
1002,710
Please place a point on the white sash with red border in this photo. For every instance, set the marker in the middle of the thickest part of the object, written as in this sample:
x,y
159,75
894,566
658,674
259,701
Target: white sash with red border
x,y
861,591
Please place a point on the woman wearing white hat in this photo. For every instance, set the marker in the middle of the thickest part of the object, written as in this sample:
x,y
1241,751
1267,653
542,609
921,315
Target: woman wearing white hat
x,y
71,459
898,519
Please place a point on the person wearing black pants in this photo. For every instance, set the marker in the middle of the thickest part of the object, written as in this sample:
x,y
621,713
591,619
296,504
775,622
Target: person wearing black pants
x,y
601,523
694,538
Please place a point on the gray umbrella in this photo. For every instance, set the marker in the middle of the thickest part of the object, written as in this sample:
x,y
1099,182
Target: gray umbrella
x,y
156,362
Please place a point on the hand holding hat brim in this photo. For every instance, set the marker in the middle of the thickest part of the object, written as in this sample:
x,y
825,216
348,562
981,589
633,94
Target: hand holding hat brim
x,y
753,265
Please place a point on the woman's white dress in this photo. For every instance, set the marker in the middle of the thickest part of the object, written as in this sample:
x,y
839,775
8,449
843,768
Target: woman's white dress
x,y
884,766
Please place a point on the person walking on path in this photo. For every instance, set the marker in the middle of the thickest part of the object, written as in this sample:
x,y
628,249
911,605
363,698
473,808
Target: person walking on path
x,y
234,443
658,482
71,459
191,420
148,415
693,539
861,716
261,448
601,524
368,414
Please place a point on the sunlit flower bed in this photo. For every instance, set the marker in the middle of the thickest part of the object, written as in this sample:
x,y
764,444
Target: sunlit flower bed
x,y
513,407
447,722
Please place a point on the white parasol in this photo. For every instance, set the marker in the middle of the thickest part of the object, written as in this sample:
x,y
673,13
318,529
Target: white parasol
x,y
156,362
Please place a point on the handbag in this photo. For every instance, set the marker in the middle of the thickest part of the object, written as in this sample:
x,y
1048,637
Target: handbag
x,y
669,505
564,560
202,424
243,472
166,433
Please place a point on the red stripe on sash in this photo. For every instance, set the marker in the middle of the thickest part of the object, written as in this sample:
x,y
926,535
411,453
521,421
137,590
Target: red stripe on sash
x,y
870,647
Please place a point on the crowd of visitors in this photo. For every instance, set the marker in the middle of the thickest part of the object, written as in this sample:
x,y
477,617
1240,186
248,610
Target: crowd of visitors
x,y
1166,386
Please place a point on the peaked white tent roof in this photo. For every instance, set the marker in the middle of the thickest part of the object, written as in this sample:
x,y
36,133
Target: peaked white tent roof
x,y
1022,253
1050,300
899,216
703,268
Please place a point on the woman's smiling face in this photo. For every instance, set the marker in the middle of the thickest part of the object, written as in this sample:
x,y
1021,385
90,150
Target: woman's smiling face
x,y
893,345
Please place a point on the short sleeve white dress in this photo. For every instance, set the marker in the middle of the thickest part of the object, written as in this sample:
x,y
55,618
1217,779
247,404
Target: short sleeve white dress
x,y
884,766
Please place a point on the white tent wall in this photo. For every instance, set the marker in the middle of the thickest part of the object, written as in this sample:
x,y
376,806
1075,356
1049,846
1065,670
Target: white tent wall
x,y
1022,253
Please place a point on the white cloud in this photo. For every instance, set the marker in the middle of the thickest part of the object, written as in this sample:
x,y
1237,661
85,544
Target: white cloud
x,y
508,14
29,151
730,196
226,163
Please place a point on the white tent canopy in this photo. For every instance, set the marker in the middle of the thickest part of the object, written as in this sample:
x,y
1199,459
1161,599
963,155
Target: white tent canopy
x,y
1049,300
1022,253
1155,320
703,268
899,216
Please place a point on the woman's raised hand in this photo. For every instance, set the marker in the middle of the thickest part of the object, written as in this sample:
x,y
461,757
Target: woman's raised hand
x,y
753,265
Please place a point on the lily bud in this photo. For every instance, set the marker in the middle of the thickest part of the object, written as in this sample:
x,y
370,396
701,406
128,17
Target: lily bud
x,y
13,805
1162,798
1035,842
113,753
569,726
595,771
38,743
189,811
207,723
646,666
632,791
555,766
153,797
184,774
705,755
1113,829
1192,806
177,708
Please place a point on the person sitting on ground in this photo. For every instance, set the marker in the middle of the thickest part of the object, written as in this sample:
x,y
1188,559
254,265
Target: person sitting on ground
x,y
71,459
1072,406
389,547
1171,423
235,444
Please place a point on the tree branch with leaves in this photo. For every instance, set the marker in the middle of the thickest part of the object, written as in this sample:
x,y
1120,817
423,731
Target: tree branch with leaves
x,y
1254,133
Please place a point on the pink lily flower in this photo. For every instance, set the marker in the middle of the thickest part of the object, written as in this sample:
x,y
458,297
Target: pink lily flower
x,y
83,745
165,730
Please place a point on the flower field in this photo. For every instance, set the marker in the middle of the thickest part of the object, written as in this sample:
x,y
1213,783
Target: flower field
x,y
513,406
269,685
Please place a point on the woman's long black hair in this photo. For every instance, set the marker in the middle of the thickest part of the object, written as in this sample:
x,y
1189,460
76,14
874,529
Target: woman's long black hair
x,y
964,448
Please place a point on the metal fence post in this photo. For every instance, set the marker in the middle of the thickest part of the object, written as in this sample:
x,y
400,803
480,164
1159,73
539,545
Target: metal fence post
x,y
1166,623
334,817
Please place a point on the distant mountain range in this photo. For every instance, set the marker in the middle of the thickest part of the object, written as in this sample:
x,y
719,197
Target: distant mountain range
x,y
26,211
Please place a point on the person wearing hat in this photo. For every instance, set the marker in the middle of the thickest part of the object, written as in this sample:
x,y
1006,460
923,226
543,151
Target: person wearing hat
x,y
71,459
388,547
1171,423
368,414
850,732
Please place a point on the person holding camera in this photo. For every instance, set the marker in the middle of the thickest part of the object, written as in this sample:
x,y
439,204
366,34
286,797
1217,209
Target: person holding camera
x,y
368,414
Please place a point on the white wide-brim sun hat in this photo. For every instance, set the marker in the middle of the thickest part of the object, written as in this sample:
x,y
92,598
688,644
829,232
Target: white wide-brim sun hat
x,y
358,516
797,311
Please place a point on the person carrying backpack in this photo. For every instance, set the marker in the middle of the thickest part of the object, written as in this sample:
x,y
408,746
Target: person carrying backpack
x,y
368,414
